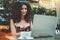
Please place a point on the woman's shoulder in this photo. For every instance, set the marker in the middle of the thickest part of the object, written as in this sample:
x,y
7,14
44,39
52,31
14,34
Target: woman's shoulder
x,y
16,25
30,20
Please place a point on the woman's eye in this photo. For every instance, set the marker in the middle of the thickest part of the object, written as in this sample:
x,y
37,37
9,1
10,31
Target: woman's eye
x,y
21,8
25,8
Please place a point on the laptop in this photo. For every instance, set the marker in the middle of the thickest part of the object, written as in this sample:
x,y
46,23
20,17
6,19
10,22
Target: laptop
x,y
43,25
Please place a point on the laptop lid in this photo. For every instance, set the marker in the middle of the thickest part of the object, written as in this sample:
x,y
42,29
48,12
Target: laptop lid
x,y
44,25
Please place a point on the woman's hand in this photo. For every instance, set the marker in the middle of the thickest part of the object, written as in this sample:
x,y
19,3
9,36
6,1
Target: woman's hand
x,y
17,34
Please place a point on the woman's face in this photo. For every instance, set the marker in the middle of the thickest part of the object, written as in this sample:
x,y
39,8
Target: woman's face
x,y
24,10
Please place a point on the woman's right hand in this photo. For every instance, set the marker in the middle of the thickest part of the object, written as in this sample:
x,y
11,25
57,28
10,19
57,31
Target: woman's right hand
x,y
17,34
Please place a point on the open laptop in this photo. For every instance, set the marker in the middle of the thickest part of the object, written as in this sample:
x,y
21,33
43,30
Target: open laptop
x,y
43,25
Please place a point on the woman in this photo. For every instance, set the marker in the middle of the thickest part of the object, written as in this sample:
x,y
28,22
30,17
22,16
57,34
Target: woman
x,y
21,18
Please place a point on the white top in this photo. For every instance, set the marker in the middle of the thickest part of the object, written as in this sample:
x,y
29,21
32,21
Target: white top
x,y
25,35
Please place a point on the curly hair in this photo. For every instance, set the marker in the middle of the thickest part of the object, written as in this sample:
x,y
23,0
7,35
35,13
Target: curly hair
x,y
16,13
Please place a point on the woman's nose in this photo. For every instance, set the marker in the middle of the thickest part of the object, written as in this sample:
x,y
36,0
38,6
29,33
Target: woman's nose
x,y
24,10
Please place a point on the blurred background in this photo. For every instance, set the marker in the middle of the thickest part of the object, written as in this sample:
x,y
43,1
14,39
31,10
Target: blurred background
x,y
40,7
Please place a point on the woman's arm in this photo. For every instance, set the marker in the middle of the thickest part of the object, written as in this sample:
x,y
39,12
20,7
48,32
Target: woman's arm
x,y
31,26
13,30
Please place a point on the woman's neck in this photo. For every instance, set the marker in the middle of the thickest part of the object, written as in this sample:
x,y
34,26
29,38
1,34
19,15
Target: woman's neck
x,y
22,18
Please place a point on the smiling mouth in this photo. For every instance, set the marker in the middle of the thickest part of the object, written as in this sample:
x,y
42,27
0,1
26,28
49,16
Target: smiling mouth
x,y
23,13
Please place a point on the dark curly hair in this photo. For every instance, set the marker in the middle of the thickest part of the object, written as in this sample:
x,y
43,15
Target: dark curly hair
x,y
16,13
